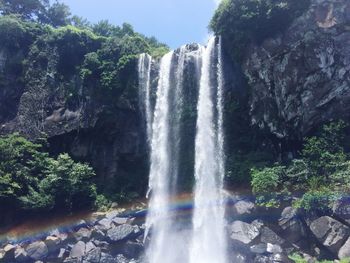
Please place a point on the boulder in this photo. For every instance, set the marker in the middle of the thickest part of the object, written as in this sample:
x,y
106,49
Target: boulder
x,y
78,250
291,224
244,232
330,232
133,249
279,257
120,220
21,255
101,244
273,249
259,248
342,209
98,235
81,223
53,244
83,234
107,258
72,260
344,251
37,250
8,252
62,253
89,246
269,236
112,214
120,233
238,257
93,256
104,224
243,208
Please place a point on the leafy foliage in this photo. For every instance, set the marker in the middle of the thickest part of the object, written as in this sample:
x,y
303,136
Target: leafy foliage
x,y
241,22
27,9
32,181
319,177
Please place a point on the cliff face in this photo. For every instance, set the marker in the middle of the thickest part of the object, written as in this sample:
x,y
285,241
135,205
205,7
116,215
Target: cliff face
x,y
301,79
297,80
77,118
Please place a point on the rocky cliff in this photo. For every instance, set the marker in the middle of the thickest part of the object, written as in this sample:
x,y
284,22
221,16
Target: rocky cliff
x,y
301,78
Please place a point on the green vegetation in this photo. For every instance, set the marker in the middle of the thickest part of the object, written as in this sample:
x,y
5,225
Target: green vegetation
x,y
45,48
241,22
318,178
299,259
32,182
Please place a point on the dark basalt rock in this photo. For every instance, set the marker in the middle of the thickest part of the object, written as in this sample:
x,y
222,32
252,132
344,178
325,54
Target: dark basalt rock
x,y
120,233
330,232
37,250
301,79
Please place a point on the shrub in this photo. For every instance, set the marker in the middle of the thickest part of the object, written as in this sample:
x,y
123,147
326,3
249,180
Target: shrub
x,y
32,181
318,178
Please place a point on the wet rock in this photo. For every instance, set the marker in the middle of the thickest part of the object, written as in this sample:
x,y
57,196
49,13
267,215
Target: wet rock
x,y
78,250
120,233
37,250
132,249
330,232
244,232
259,248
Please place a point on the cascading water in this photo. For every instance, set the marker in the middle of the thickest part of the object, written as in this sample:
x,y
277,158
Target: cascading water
x,y
159,181
182,73
208,240
144,70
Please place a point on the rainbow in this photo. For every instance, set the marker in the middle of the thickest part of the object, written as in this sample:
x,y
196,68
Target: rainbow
x,y
37,229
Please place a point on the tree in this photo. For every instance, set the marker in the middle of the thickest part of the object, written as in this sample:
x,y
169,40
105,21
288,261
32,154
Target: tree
x,y
80,22
27,9
30,180
58,15
104,28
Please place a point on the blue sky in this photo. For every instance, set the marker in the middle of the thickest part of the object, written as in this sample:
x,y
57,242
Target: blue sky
x,y
174,22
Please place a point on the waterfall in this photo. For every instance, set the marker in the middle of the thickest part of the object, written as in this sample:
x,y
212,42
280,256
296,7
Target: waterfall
x,y
144,70
186,75
208,240
160,166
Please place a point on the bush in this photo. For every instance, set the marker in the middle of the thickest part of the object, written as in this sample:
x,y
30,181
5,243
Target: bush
x,y
318,178
266,180
32,181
